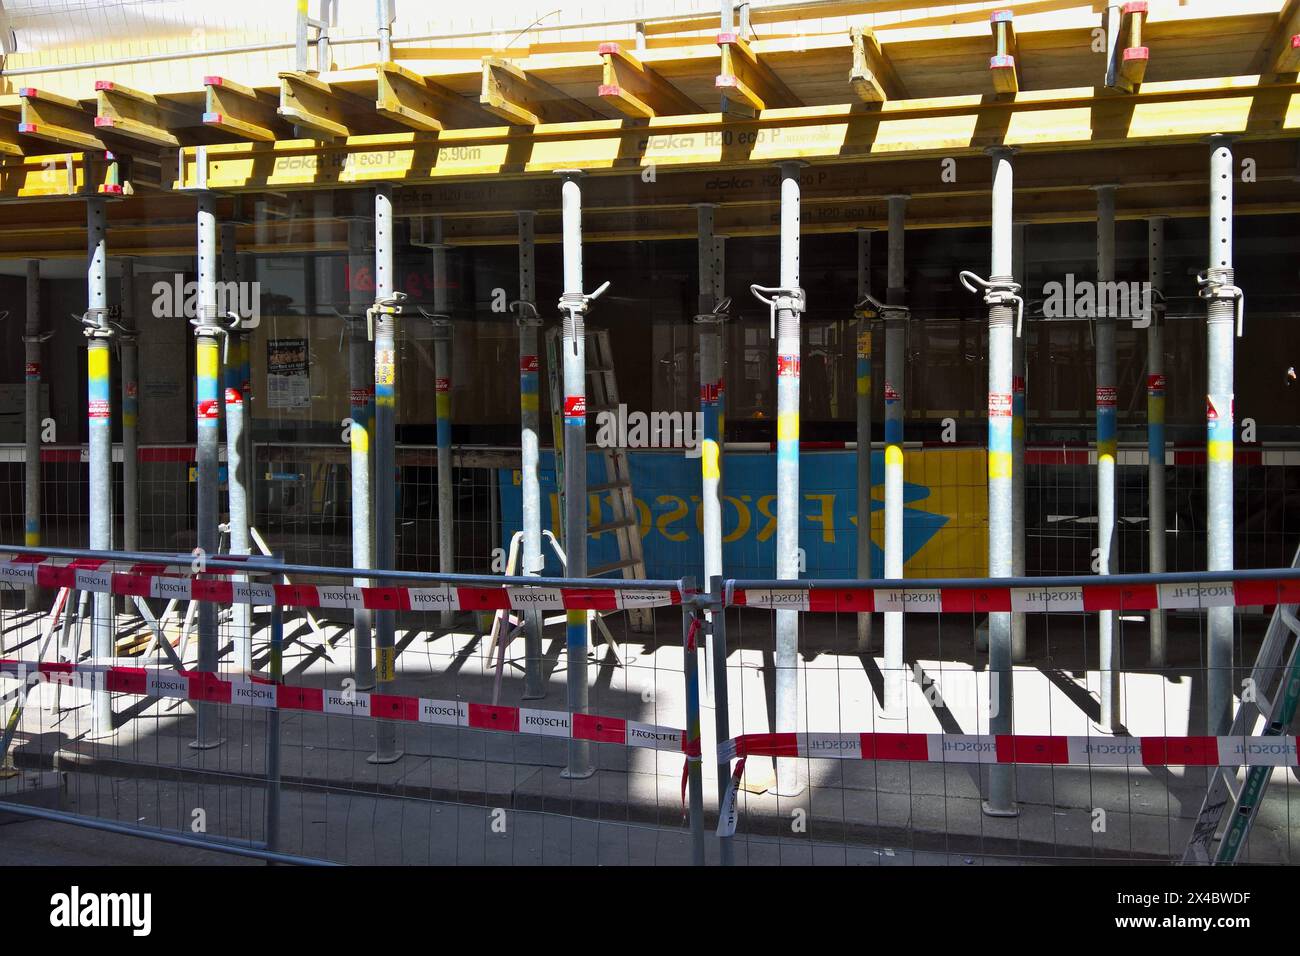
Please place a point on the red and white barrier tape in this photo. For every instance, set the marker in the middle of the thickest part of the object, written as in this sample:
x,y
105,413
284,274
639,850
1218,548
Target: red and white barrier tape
x,y
259,693
1023,749
169,582
985,600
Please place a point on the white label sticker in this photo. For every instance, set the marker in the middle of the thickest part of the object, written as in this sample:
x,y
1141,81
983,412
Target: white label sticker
x,y
837,746
1257,751
1215,594
342,702
1105,751
434,599
161,683
652,736
252,694
24,573
909,601
963,748
100,582
794,599
338,596
642,597
246,593
535,599
1047,599
548,723
451,713
170,588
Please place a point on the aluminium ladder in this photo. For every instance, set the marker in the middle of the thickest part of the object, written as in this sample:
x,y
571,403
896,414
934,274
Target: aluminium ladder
x,y
1276,687
616,489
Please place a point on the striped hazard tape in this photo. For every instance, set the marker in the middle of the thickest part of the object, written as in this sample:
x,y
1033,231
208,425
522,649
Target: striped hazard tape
x,y
259,693
169,582
985,600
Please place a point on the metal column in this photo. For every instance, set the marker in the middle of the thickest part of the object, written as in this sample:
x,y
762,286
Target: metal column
x,y
1156,423
710,323
787,305
529,428
1001,295
361,386
895,316
573,306
1107,551
1224,303
442,408
130,409
1019,371
864,408
32,339
238,465
385,311
207,454
99,409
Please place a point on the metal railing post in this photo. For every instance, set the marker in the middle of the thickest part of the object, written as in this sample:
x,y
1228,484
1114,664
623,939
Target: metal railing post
x,y
573,306
692,624
721,706
442,411
207,453
1107,545
895,316
1156,422
276,669
239,467
1019,410
1225,303
32,339
384,315
361,409
710,367
864,424
529,428
100,414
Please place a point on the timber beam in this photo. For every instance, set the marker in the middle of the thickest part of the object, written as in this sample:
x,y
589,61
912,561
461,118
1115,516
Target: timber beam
x,y
241,111
524,100
1283,46
1004,64
635,90
1133,56
417,102
58,119
872,76
139,116
748,85
61,176
319,107
1038,120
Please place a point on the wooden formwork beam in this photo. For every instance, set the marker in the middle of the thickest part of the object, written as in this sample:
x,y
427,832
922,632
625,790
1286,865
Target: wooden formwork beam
x,y
1284,46
1133,56
747,84
58,119
139,116
634,89
240,110
872,76
417,102
1004,65
524,100
317,106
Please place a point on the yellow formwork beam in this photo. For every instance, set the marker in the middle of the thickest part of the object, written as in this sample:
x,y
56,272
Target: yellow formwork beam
x,y
60,176
947,126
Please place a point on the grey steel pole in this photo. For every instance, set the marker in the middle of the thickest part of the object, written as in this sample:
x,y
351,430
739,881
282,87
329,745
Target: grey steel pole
x,y
442,409
1156,423
207,454
694,757
895,374
384,14
276,670
32,339
238,466
1107,552
721,712
130,409
529,429
1002,335
1224,300
864,408
100,415
361,382
711,440
1019,408
573,307
385,459
788,348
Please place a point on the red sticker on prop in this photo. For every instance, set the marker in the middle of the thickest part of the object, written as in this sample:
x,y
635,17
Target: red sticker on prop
x,y
208,408
891,393
1105,396
528,363
787,365
444,384
999,404
98,408
575,406
233,397
1156,383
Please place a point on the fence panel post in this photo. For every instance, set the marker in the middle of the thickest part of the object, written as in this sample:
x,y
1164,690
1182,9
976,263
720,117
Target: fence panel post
x,y
691,622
